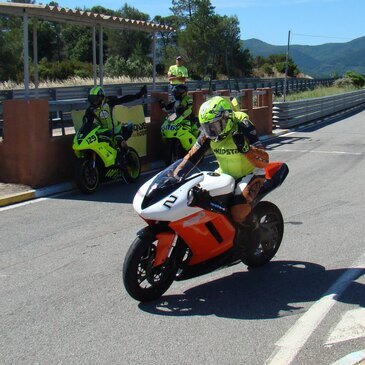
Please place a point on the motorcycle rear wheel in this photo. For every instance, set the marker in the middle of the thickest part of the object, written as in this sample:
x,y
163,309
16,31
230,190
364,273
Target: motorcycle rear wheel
x,y
132,168
267,235
142,281
87,176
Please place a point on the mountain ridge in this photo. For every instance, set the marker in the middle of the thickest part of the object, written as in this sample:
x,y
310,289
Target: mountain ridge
x,y
318,61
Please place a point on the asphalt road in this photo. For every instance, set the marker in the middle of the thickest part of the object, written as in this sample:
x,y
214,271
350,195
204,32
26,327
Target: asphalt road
x,y
62,300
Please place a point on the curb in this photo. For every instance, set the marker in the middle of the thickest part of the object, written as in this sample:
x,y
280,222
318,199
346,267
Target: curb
x,y
58,188
35,193
17,198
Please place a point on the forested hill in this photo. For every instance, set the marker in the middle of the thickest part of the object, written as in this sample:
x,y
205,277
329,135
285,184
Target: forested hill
x,y
317,61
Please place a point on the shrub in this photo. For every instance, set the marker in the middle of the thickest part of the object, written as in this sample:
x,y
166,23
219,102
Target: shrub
x,y
344,82
267,69
357,79
62,70
115,66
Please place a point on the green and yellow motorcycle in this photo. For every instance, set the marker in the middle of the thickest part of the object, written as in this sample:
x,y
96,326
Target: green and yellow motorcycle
x,y
179,135
98,158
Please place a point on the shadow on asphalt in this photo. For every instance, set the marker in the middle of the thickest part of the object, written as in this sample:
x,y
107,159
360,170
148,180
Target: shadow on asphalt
x,y
283,141
120,192
278,289
117,191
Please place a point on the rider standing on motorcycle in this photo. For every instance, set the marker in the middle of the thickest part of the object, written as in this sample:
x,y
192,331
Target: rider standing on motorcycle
x,y
100,111
234,142
182,103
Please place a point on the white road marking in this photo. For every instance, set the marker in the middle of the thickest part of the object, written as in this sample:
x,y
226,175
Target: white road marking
x,y
318,151
287,134
295,338
351,326
17,205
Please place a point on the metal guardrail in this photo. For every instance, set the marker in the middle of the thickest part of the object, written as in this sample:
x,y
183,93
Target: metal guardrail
x,y
63,100
292,113
79,92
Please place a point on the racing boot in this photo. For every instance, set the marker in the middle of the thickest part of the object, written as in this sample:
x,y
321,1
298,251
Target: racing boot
x,y
243,238
118,159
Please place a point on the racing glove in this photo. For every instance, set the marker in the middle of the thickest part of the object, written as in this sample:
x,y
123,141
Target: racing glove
x,y
161,104
142,91
201,198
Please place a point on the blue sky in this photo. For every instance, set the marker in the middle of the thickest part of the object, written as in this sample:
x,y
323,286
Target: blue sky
x,y
311,22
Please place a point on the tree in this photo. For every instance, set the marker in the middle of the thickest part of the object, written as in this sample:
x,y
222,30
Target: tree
x,y
77,41
267,66
209,39
357,79
199,38
237,61
11,49
122,42
184,10
279,61
166,38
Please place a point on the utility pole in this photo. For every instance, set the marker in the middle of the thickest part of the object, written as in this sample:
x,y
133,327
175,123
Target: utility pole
x,y
286,66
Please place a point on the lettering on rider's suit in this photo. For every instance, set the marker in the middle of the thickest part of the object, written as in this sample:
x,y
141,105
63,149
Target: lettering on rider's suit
x,y
226,151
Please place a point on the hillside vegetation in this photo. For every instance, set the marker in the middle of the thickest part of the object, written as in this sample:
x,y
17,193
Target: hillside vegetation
x,y
317,61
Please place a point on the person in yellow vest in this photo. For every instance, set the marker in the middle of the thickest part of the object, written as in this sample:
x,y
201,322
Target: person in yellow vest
x,y
177,73
239,152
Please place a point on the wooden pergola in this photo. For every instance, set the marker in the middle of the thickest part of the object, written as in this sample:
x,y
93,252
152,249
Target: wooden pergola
x,y
78,17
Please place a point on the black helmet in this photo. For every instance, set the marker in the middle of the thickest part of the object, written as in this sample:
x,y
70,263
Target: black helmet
x,y
179,91
96,95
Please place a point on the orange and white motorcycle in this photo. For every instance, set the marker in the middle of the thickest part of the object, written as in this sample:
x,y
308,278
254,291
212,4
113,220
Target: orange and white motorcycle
x,y
190,231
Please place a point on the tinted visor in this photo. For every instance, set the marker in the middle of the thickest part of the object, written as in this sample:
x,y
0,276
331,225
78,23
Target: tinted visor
x,y
215,128
178,91
95,99
177,95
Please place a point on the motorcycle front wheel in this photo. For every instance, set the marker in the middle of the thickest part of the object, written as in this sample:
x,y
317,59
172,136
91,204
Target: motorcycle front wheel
x,y
266,235
132,167
142,280
87,175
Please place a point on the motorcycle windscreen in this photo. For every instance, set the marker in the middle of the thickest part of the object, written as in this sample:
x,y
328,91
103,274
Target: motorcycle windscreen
x,y
165,183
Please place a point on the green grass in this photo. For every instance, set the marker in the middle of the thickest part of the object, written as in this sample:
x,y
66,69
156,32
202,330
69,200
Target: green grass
x,y
316,93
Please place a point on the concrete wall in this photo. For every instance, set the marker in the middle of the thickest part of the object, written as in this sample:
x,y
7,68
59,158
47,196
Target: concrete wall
x,y
28,155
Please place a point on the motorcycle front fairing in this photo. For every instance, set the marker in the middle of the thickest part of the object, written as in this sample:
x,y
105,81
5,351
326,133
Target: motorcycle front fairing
x,y
178,128
88,139
164,197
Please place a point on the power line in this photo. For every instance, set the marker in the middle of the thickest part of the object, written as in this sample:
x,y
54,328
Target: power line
x,y
321,36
